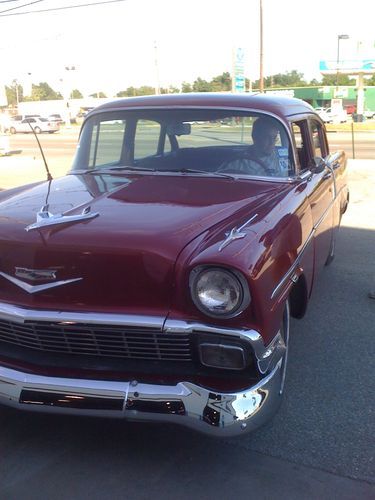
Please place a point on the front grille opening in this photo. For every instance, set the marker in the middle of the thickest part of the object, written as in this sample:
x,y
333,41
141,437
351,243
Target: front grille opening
x,y
113,352
98,340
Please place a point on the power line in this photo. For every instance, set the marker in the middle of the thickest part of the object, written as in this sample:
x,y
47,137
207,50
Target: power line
x,y
59,8
20,6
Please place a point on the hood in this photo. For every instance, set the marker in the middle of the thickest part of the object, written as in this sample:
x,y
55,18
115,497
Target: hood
x,y
123,259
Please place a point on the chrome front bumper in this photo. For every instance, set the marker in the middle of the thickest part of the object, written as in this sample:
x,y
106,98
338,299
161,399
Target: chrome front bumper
x,y
220,414
188,404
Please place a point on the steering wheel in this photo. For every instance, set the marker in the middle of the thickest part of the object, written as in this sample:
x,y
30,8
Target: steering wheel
x,y
230,166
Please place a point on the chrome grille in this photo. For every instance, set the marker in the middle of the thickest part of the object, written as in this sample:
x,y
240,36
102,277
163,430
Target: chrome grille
x,y
98,340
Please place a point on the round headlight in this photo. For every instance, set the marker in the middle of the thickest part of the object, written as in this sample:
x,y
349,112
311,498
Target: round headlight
x,y
217,292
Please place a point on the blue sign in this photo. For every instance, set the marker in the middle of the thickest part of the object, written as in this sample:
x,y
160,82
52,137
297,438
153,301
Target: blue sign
x,y
239,70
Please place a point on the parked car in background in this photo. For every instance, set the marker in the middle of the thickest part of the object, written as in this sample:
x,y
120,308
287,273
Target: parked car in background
x,y
19,118
350,108
82,114
369,114
329,115
157,281
39,125
55,118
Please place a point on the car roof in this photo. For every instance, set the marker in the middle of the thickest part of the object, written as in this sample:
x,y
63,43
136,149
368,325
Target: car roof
x,y
278,105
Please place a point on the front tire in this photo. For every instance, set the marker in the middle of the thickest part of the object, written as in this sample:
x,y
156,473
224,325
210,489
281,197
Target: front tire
x,y
37,130
12,130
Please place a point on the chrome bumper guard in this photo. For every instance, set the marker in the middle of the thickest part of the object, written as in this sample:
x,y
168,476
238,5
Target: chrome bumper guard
x,y
211,412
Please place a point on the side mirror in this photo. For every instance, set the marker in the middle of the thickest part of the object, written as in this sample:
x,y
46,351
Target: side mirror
x,y
318,165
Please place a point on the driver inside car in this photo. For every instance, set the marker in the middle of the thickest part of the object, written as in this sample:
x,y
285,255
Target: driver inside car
x,y
261,158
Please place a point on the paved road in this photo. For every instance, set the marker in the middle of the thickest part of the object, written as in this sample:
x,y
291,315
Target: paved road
x,y
364,144
320,444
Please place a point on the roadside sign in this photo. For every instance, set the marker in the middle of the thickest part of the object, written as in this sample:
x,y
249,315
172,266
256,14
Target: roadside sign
x,y
239,82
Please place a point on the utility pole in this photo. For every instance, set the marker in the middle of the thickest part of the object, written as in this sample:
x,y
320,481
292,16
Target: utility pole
x,y
68,92
261,80
157,83
15,83
339,37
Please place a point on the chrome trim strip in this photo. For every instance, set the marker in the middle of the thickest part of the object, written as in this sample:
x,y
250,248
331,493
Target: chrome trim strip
x,y
292,268
299,256
215,413
21,315
36,288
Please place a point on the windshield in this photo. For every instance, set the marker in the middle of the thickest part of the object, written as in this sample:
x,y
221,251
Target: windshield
x,y
185,141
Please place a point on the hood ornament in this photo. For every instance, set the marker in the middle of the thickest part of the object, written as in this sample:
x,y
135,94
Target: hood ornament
x,y
236,233
45,218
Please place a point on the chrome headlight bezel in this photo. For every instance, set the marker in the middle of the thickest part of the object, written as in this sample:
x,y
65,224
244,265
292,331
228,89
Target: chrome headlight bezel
x,y
232,274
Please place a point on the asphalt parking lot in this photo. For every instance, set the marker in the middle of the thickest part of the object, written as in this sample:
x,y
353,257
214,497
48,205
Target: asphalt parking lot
x,y
320,445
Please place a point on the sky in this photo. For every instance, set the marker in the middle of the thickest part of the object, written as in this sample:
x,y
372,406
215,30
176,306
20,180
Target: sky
x,y
112,46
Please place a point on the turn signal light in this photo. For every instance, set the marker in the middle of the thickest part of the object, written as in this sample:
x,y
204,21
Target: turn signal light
x,y
227,357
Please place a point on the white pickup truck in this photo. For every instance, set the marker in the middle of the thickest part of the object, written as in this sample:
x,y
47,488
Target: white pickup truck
x,y
329,115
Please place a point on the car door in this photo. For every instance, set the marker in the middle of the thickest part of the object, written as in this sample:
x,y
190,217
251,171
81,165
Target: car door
x,y
24,126
318,183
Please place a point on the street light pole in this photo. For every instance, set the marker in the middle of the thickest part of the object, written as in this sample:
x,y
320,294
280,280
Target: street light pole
x,y
339,37
157,81
68,92
15,83
261,79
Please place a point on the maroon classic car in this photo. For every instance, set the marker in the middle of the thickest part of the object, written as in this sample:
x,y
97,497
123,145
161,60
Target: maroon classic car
x,y
156,280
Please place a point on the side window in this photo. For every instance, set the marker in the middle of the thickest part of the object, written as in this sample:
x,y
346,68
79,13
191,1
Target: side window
x,y
318,140
301,139
106,143
146,141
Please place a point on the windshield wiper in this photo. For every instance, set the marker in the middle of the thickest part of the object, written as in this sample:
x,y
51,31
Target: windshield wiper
x,y
117,168
196,171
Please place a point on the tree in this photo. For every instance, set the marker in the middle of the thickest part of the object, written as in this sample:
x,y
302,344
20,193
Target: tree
x,y
11,93
98,95
43,92
221,83
173,90
289,79
186,88
341,80
76,94
201,85
129,92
